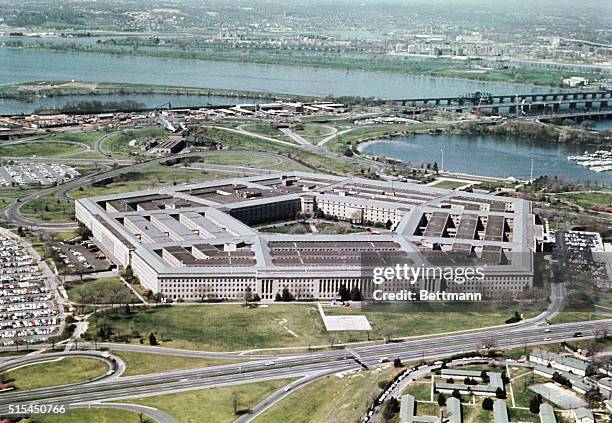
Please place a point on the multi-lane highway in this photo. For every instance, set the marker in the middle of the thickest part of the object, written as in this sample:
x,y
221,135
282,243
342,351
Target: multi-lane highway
x,y
298,366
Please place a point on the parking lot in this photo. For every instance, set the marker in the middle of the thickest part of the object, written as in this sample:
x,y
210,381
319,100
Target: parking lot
x,y
27,308
35,174
84,257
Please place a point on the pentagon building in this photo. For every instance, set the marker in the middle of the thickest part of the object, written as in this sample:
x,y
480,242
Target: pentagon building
x,y
200,240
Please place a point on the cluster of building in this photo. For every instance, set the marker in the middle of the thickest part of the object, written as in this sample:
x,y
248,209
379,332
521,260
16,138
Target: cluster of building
x,y
199,241
264,110
578,373
173,144
483,388
36,174
27,308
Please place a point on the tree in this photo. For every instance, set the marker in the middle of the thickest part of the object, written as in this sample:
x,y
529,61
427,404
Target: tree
x,y
287,296
485,377
441,399
487,404
128,274
235,401
343,293
593,397
355,294
256,298
248,295
390,408
534,404
500,393
397,363
505,379
278,297
456,394
152,339
84,232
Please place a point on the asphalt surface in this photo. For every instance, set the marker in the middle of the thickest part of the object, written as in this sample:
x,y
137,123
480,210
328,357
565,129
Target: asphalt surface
x,y
298,366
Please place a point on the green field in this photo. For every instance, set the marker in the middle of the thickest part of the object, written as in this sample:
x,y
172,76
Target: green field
x,y
339,165
89,138
250,159
267,130
575,316
39,149
232,327
212,405
150,177
49,209
312,132
332,399
402,321
60,372
589,200
100,291
219,327
446,184
143,363
89,416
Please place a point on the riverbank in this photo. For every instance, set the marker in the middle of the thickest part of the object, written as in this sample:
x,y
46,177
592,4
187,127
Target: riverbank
x,y
28,91
529,129
438,68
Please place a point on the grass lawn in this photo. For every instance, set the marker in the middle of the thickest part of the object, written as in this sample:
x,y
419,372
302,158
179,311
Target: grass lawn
x,y
39,148
143,363
409,321
421,390
220,327
89,138
242,158
100,291
49,209
212,405
446,184
312,132
339,165
268,131
589,200
332,399
150,177
17,192
89,416
54,373
231,327
5,202
575,316
522,394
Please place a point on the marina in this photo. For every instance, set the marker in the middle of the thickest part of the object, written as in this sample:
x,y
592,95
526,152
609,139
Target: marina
x,y
598,161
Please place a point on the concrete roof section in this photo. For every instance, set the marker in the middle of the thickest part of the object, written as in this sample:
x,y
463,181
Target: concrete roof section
x,y
430,226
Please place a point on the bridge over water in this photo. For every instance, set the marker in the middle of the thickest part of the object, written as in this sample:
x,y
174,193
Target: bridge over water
x,y
480,98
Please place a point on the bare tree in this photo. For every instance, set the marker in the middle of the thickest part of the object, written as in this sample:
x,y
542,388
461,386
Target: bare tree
x,y
235,401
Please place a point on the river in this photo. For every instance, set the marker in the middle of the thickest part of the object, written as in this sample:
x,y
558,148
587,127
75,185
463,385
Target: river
x,y
489,156
22,65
